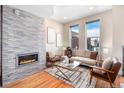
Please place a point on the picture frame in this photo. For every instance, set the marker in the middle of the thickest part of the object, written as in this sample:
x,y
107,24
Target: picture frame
x,y
51,35
59,40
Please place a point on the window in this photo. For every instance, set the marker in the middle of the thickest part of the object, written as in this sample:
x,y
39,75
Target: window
x,y
93,35
74,36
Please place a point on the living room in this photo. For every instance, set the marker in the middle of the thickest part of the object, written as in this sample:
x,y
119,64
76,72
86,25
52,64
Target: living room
x,y
28,33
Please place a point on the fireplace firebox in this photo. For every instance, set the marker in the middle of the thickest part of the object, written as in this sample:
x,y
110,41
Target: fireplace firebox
x,y
27,58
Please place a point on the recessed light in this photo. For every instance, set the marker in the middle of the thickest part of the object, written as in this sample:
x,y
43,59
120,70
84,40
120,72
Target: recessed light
x,y
65,18
91,8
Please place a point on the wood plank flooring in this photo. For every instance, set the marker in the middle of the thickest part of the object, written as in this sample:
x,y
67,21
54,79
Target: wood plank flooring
x,y
44,80
104,84
39,80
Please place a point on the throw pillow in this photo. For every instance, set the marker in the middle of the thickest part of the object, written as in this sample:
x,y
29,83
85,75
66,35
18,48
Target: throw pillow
x,y
107,64
80,53
93,55
87,54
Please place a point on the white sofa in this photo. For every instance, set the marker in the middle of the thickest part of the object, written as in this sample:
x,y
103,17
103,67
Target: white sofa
x,y
84,61
83,57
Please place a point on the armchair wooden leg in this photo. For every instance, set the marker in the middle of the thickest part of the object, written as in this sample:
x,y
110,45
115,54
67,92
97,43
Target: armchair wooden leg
x,y
52,65
111,85
109,80
90,76
90,79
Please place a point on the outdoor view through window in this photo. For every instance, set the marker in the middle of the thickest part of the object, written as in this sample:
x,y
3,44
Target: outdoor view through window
x,y
93,35
75,36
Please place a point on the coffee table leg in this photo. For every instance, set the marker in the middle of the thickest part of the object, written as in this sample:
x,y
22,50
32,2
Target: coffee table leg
x,y
65,77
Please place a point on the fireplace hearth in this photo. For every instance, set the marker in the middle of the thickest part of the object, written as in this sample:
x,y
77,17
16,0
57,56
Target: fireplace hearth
x,y
27,58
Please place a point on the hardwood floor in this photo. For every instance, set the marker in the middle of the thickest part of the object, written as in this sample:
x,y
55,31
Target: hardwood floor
x,y
104,84
44,80
39,80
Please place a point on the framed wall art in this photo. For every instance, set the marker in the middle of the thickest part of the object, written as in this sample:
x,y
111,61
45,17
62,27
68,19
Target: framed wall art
x,y
51,35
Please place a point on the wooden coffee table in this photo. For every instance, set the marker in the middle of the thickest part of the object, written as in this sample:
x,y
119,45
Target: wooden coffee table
x,y
73,66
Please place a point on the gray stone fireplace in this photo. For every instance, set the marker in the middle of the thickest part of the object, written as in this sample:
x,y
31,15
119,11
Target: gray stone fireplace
x,y
23,37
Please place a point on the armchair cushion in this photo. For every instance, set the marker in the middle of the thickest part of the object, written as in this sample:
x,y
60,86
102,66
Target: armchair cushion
x,y
107,64
51,54
99,73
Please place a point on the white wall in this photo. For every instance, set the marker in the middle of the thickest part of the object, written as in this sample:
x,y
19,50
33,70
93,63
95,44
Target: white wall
x,y
112,34
118,33
106,29
59,30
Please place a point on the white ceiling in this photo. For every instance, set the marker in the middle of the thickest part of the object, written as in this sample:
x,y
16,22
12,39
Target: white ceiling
x,y
39,10
62,13
76,12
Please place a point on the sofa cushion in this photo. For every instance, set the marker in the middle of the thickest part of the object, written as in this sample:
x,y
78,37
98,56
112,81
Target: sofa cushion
x,y
99,73
84,60
107,64
80,53
87,54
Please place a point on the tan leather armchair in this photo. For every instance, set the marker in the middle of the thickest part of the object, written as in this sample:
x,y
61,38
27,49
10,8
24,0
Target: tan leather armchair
x,y
109,75
51,60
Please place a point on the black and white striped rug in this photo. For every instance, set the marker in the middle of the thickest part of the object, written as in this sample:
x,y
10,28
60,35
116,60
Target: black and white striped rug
x,y
76,79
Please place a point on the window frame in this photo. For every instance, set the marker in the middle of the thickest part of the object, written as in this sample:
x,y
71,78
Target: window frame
x,y
71,34
92,21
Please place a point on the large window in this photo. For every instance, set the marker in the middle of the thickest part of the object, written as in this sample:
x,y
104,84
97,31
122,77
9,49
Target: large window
x,y
74,36
93,35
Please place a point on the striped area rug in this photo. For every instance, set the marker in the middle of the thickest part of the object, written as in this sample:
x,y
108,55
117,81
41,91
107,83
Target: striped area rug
x,y
77,80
